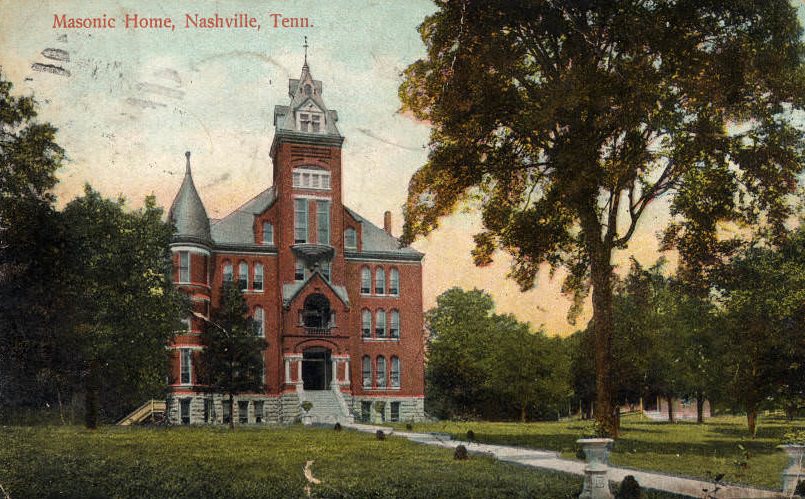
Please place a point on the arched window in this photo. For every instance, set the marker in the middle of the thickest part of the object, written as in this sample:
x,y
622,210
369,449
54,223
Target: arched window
x,y
381,372
380,281
380,323
257,283
259,322
227,272
395,372
243,276
366,281
366,323
394,329
350,239
366,371
394,282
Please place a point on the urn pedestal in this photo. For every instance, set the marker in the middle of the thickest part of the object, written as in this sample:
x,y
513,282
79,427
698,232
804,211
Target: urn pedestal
x,y
794,472
596,481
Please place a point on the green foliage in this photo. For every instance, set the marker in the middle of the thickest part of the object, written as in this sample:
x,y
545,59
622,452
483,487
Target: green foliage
x,y
123,308
490,365
232,360
307,405
562,121
795,436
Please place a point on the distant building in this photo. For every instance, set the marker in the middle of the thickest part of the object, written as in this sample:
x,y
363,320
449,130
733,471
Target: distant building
x,y
339,302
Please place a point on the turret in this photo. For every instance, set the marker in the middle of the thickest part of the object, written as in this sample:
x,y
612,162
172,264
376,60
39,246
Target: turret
x,y
188,214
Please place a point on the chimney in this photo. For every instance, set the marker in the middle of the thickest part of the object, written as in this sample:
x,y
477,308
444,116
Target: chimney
x,y
387,222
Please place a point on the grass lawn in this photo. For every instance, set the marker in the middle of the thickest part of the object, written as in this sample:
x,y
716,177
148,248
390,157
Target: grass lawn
x,y
253,462
685,449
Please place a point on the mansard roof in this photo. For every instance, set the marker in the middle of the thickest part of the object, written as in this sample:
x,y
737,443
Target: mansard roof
x,y
187,211
238,226
285,116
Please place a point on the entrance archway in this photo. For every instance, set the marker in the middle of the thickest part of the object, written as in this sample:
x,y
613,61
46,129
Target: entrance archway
x,y
317,368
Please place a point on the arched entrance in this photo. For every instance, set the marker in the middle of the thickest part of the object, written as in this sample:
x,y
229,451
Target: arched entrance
x,y
317,368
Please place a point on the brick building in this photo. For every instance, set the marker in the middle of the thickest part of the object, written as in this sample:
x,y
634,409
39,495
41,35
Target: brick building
x,y
339,302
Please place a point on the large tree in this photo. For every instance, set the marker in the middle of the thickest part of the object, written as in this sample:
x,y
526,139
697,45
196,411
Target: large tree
x,y
31,245
563,120
123,308
232,359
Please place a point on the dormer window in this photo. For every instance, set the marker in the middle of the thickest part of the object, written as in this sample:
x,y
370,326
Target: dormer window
x,y
308,89
310,122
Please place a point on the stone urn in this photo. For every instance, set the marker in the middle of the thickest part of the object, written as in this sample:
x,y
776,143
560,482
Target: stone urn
x,y
596,481
794,472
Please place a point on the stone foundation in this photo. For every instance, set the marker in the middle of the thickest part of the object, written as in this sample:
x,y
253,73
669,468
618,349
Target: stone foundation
x,y
412,409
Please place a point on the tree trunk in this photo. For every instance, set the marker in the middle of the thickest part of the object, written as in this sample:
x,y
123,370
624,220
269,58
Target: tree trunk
x,y
601,273
790,412
700,408
91,398
523,413
670,401
231,412
751,419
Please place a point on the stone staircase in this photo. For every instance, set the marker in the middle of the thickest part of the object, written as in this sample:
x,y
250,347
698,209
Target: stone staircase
x,y
327,408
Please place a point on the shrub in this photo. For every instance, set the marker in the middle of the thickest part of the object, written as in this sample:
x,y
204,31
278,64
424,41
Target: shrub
x,y
470,435
629,489
461,453
800,488
380,435
307,405
337,427
409,426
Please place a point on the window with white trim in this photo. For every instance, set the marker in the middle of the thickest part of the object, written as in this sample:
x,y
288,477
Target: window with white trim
x,y
394,328
243,276
350,238
268,233
311,178
380,323
366,371
323,222
395,372
257,280
184,410
299,270
259,322
184,266
366,323
366,281
395,411
185,366
381,372
394,282
300,220
326,269
227,272
311,122
380,281
258,411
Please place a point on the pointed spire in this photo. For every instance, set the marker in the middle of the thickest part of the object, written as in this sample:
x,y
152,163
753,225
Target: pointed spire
x,y
187,211
305,66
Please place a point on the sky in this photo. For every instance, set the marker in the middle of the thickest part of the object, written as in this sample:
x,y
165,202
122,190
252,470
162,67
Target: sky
x,y
128,102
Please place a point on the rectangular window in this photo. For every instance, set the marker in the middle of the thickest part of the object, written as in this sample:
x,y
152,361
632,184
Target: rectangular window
x,y
184,266
299,271
304,122
315,123
227,411
186,366
350,239
326,267
323,221
184,410
297,179
258,411
395,411
300,221
243,411
394,282
208,411
366,411
268,233
257,284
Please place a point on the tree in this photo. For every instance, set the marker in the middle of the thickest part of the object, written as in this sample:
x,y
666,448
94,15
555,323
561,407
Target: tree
x,y
564,120
123,308
762,292
482,364
232,359
31,245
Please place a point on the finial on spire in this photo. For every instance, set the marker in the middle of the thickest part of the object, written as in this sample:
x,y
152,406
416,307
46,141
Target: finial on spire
x,y
305,47
187,168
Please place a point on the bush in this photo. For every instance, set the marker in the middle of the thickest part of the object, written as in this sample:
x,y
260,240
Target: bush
x,y
380,435
629,489
800,488
337,427
409,427
461,453
470,435
307,405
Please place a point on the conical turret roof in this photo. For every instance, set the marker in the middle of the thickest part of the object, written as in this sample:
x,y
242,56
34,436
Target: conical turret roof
x,y
187,212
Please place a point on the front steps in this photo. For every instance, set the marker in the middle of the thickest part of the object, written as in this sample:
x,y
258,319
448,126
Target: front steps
x,y
326,408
